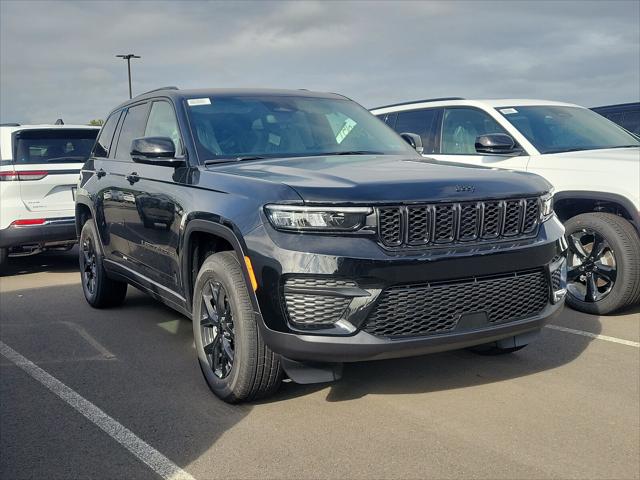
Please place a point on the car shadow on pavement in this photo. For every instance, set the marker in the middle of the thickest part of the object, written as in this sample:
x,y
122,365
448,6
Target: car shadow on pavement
x,y
450,370
153,385
53,261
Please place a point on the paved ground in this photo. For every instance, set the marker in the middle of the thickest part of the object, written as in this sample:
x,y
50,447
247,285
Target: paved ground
x,y
567,406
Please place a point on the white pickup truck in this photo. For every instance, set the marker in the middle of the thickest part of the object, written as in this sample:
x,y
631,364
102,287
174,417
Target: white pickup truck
x,y
593,164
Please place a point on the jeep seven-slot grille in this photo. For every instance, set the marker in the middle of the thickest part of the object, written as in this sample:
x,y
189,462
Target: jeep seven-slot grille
x,y
422,309
441,224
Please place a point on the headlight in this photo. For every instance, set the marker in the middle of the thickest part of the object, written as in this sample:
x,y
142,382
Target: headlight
x,y
324,219
547,205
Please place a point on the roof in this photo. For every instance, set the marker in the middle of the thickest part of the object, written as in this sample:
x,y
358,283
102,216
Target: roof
x,y
492,103
619,106
47,126
177,94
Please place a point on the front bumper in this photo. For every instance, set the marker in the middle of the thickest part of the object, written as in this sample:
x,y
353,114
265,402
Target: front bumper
x,y
369,270
53,231
363,346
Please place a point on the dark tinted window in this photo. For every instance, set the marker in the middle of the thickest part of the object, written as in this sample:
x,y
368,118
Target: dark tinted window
x,y
421,122
54,146
287,126
461,127
631,121
389,118
103,144
132,127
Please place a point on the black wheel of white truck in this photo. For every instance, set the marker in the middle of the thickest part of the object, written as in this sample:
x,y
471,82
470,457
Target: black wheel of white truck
x,y
234,359
603,263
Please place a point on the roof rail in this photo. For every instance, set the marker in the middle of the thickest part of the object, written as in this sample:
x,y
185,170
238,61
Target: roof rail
x,y
158,89
441,99
10,124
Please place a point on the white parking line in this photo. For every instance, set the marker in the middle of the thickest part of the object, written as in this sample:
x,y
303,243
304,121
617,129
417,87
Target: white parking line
x,y
125,437
607,338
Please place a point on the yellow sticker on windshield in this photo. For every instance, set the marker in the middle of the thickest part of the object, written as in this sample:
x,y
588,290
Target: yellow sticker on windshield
x,y
345,130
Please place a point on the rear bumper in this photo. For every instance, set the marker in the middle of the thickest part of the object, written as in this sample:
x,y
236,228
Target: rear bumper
x,y
363,346
54,230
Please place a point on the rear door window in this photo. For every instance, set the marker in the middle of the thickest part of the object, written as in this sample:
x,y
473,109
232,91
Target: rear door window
x,y
103,144
422,122
54,145
132,127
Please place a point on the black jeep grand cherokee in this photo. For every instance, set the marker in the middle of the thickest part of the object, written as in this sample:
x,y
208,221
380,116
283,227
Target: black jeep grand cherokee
x,y
300,232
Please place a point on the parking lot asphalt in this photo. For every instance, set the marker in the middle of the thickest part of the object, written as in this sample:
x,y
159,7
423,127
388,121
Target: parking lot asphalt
x,y
567,406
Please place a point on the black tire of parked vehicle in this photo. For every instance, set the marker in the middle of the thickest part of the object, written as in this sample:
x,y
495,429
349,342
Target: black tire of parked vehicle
x,y
494,349
255,371
4,256
99,290
623,241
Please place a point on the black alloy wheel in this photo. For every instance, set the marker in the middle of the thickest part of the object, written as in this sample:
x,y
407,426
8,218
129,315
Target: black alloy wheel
x,y
592,268
217,330
88,265
603,263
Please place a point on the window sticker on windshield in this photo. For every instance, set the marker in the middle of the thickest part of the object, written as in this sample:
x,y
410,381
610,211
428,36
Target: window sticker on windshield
x,y
275,139
192,102
345,130
508,111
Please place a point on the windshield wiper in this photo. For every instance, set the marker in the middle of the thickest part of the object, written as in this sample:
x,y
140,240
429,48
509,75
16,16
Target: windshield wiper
x,y
352,152
233,159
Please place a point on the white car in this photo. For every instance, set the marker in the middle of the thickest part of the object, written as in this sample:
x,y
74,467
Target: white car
x,y
39,169
593,164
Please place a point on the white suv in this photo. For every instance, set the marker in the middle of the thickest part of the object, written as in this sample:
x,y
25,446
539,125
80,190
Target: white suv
x,y
593,164
39,168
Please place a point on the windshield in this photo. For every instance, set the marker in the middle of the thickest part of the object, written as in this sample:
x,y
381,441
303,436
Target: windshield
x,y
554,129
54,146
287,126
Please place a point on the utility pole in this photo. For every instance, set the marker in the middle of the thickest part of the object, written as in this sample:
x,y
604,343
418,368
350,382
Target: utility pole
x,y
128,58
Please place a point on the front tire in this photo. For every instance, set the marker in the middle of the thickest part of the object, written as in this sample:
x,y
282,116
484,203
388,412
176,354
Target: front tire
x,y
236,363
99,290
603,265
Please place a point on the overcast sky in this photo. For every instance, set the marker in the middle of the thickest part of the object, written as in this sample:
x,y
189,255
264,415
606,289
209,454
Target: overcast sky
x,y
57,58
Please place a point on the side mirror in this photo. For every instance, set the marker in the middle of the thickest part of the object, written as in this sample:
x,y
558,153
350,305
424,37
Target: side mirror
x,y
155,151
414,140
496,144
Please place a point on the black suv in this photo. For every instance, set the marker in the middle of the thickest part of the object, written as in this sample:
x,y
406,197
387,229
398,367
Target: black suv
x,y
299,232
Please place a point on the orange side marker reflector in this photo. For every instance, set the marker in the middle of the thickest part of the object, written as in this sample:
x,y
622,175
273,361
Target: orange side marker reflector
x,y
252,275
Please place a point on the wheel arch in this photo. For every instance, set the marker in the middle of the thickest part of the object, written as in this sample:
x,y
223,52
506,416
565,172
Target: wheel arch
x,y
225,239
570,203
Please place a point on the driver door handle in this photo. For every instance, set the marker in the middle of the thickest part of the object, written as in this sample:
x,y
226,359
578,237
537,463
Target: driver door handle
x,y
133,177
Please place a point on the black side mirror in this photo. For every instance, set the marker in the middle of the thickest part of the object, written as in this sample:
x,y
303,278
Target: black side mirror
x,y
414,140
496,144
155,151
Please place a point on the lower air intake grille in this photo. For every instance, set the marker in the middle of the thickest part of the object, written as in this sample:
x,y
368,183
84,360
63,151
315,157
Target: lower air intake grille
x,y
315,310
414,310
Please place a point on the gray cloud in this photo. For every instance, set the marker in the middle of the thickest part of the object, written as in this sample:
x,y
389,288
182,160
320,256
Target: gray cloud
x,y
57,58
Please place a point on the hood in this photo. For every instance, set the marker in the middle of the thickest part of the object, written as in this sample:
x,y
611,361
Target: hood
x,y
601,159
387,179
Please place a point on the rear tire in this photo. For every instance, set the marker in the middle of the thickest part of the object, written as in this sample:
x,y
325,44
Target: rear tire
x,y
614,273
4,256
99,290
236,363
